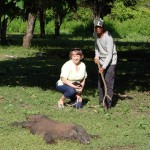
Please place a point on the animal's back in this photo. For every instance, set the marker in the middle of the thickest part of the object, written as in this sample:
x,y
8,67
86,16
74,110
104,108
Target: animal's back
x,y
46,125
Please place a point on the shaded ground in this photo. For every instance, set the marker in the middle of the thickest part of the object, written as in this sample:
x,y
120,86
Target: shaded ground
x,y
132,73
43,69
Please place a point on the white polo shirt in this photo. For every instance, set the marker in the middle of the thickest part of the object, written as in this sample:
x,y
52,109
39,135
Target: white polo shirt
x,y
69,72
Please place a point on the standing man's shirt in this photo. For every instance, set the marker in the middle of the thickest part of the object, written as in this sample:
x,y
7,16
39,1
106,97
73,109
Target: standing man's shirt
x,y
105,50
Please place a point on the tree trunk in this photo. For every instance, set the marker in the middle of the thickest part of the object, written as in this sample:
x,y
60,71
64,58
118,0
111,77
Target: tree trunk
x,y
0,29
3,30
42,22
57,25
3,22
29,31
98,6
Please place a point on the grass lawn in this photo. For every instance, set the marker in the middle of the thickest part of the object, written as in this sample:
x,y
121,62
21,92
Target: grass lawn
x,y
27,86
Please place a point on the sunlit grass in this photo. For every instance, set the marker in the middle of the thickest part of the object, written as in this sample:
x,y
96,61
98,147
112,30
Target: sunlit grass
x,y
27,86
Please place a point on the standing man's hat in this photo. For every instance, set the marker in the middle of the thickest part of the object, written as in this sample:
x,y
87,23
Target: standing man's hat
x,y
98,22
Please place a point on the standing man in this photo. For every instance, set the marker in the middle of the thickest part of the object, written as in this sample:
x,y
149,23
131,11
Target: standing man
x,y
106,55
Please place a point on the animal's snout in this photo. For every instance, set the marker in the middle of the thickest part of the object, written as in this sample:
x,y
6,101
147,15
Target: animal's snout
x,y
84,139
87,142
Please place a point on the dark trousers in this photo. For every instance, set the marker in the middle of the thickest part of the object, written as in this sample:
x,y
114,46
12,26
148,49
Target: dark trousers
x,y
109,76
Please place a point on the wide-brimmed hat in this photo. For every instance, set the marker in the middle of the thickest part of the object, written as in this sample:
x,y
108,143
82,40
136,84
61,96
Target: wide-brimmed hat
x,y
98,22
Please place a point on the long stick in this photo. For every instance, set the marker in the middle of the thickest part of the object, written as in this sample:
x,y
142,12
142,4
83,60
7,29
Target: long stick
x,y
105,87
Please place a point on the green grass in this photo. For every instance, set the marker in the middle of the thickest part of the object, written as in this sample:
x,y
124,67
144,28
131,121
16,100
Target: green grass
x,y
27,86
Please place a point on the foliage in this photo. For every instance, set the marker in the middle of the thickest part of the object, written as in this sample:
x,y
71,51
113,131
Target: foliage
x,y
99,8
120,12
19,27
131,29
12,8
81,23
128,3
145,3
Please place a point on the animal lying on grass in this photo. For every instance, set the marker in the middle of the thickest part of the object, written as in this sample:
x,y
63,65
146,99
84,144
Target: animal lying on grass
x,y
52,130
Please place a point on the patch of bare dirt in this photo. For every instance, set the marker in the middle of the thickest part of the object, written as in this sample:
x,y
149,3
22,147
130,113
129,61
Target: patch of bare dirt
x,y
7,56
1,99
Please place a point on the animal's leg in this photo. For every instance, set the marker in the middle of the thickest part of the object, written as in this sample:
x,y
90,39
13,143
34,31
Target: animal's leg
x,y
49,139
82,135
33,131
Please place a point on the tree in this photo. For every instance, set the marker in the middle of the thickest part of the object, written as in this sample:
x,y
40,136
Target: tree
x,y
9,9
61,8
2,23
100,7
29,30
31,10
42,22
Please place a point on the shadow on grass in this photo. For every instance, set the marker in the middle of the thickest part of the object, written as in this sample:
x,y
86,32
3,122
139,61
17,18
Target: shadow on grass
x,y
31,71
43,70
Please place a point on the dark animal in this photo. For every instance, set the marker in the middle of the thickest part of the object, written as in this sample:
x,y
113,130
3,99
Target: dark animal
x,y
52,130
